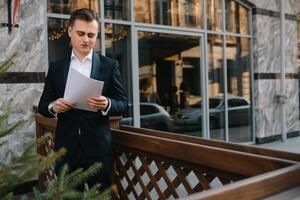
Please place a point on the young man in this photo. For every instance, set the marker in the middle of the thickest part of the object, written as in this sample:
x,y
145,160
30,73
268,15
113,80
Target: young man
x,y
84,134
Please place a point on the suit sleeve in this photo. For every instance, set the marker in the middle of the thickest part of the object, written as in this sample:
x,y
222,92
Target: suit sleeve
x,y
48,94
118,99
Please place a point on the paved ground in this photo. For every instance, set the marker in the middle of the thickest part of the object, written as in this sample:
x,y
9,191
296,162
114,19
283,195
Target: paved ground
x,y
291,145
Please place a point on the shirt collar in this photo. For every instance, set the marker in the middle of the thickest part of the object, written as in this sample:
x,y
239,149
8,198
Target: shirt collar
x,y
89,56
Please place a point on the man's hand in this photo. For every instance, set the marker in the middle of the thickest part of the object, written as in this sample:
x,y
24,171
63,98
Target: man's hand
x,y
61,105
97,103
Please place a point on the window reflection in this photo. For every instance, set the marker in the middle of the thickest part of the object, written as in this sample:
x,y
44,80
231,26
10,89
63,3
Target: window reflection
x,y
236,17
214,15
216,87
117,46
169,73
238,84
58,40
117,9
68,6
184,13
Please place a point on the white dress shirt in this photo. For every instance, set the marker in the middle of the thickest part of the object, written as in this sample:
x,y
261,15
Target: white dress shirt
x,y
84,66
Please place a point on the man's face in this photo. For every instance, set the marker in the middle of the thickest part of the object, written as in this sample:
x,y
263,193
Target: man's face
x,y
83,36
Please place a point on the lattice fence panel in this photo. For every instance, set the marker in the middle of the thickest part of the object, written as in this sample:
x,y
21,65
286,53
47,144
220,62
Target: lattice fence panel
x,y
141,175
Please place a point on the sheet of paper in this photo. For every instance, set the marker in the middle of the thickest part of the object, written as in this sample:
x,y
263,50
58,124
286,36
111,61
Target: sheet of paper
x,y
79,88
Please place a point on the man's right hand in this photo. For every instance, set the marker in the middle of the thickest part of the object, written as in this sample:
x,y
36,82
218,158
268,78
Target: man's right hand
x,y
61,105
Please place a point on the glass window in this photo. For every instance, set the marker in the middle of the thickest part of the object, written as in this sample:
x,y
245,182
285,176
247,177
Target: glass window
x,y
236,102
117,9
216,86
239,88
184,13
236,17
214,15
117,46
169,73
148,109
214,103
67,6
58,40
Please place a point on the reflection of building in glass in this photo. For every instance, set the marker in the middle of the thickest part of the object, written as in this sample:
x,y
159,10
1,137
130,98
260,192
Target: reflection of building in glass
x,y
184,13
214,15
118,9
67,6
236,17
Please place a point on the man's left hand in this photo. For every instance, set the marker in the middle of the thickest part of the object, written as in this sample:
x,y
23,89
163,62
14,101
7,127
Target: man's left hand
x,y
97,103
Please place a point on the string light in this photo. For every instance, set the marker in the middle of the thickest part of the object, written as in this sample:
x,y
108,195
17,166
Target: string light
x,y
116,36
55,35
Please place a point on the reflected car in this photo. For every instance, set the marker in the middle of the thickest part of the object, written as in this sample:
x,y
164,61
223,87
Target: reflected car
x,y
238,114
153,116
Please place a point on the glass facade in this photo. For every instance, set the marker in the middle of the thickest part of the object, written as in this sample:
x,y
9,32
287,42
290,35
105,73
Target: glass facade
x,y
214,13
181,74
184,13
236,17
216,86
118,9
67,6
118,47
169,81
238,90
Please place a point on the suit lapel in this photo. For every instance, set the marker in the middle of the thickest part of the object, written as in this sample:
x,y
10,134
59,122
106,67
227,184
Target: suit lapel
x,y
66,66
97,71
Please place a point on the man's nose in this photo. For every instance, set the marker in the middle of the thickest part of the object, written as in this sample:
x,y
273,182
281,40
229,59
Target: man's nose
x,y
85,38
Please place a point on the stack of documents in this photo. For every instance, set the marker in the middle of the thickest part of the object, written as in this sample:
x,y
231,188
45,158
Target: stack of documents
x,y
79,88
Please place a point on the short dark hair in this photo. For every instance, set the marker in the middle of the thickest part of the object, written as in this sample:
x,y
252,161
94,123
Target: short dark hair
x,y
85,14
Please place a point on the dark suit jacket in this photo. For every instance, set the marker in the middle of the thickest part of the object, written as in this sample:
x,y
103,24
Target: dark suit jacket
x,y
95,135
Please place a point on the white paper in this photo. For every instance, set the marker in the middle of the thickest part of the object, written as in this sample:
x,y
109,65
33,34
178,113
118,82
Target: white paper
x,y
79,88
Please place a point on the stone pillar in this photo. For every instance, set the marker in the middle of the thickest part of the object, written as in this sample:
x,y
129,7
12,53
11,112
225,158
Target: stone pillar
x,y
24,82
266,33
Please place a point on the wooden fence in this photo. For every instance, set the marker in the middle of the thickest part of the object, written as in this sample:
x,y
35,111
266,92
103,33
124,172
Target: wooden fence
x,y
152,164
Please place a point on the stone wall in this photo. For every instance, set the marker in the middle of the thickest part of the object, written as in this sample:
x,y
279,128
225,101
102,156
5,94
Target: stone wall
x,y
266,33
292,6
23,86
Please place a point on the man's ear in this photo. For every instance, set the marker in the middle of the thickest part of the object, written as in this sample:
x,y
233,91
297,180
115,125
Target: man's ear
x,y
69,31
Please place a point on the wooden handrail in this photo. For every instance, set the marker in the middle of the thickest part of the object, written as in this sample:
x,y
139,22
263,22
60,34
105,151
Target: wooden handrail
x,y
257,187
216,143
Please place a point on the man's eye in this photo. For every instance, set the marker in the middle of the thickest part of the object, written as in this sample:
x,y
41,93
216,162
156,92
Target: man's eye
x,y
81,34
91,35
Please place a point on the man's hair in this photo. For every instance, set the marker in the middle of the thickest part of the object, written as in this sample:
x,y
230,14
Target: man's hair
x,y
85,14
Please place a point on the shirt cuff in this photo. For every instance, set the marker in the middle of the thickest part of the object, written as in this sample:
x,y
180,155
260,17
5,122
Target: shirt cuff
x,y
105,111
50,109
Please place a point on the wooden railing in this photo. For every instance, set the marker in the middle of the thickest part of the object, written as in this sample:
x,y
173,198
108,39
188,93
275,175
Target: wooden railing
x,y
216,143
152,164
